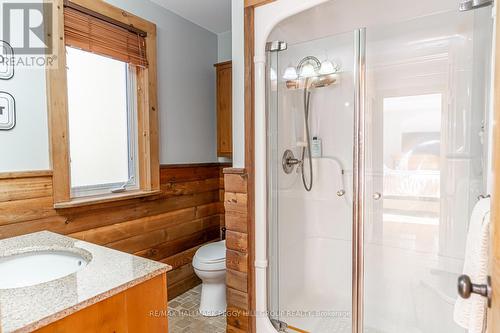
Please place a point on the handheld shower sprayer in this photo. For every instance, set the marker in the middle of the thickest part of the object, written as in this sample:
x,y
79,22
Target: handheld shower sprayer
x,y
311,70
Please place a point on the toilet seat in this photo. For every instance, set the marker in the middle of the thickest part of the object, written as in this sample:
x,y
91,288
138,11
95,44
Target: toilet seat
x,y
211,257
221,266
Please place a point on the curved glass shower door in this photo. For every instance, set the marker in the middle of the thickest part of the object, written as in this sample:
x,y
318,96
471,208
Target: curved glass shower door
x,y
427,101
310,231
399,136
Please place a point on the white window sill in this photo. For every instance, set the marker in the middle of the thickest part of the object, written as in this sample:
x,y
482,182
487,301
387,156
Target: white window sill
x,y
99,199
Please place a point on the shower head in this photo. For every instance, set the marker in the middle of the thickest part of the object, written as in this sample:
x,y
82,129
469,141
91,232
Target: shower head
x,y
314,82
466,5
324,81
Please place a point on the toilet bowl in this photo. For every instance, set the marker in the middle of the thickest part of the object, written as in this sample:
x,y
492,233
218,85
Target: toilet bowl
x,y
209,264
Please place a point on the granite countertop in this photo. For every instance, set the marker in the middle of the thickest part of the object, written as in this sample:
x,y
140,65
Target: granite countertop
x,y
107,273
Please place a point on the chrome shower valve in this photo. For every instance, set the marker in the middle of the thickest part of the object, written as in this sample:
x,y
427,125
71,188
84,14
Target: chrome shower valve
x,y
289,161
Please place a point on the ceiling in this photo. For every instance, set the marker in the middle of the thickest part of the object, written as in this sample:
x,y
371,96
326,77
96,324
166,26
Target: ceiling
x,y
213,15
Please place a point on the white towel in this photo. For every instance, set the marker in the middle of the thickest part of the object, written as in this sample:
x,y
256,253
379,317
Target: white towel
x,y
471,313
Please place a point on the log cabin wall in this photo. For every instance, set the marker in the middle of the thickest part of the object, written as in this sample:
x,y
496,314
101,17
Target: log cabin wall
x,y
168,227
239,287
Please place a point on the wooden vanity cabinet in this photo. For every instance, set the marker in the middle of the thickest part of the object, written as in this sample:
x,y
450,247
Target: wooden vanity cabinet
x,y
141,308
224,72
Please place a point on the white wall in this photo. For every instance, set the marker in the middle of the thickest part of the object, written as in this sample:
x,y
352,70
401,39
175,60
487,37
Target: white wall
x,y
26,146
238,50
224,46
186,84
186,96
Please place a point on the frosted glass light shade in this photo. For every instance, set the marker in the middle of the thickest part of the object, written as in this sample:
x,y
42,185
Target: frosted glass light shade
x,y
327,67
307,71
290,73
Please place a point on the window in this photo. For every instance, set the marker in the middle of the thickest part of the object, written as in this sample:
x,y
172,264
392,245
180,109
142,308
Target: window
x,y
412,158
102,106
102,117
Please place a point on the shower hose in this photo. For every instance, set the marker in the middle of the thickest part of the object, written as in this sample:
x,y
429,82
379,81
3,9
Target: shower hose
x,y
307,99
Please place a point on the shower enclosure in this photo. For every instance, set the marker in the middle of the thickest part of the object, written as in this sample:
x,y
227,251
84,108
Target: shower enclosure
x,y
367,230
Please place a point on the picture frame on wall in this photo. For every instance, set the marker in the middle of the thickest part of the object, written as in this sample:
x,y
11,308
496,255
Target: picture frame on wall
x,y
7,111
6,63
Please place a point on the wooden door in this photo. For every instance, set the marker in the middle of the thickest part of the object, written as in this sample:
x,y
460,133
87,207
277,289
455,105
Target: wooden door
x,y
224,109
494,311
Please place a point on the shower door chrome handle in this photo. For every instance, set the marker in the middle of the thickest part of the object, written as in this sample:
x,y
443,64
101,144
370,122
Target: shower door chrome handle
x,y
377,196
466,288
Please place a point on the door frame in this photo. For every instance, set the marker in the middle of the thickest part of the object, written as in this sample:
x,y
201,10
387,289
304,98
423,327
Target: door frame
x,y
494,311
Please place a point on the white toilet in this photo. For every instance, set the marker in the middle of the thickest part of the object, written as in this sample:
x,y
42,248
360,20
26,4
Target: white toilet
x,y
209,264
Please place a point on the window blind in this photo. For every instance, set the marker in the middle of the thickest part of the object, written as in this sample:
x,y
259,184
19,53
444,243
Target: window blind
x,y
94,34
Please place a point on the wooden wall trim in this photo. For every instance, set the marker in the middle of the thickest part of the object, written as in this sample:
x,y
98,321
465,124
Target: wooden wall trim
x,y
249,31
257,3
25,174
57,105
249,88
228,63
234,171
48,173
116,14
190,165
150,138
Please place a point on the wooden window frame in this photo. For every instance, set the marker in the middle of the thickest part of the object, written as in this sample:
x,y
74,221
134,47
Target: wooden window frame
x,y
147,112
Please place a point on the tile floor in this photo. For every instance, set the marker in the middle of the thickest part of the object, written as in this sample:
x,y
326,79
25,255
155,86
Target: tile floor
x,y
185,318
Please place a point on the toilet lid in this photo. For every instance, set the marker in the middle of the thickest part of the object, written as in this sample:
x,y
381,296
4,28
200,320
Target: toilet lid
x,y
213,252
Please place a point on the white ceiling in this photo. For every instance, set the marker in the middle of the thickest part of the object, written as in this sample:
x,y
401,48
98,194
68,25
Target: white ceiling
x,y
213,15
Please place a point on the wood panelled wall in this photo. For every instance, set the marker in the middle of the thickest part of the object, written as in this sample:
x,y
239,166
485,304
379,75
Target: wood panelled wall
x,y
237,255
168,227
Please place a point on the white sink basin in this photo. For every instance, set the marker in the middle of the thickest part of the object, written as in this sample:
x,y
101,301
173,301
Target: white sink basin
x,y
34,267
